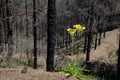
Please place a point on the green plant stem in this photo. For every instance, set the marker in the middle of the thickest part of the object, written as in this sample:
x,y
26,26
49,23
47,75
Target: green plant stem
x,y
72,44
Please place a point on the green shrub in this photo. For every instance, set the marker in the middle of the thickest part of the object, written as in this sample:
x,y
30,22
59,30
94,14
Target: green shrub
x,y
73,69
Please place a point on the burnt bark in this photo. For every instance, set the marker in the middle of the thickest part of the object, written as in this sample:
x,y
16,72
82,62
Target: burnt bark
x,y
118,63
35,35
85,43
10,33
89,34
51,22
26,12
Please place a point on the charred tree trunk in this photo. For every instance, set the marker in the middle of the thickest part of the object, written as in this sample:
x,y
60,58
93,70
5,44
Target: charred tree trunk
x,y
85,42
96,35
4,21
8,36
1,27
35,35
51,15
100,34
9,33
0,9
26,8
89,34
118,63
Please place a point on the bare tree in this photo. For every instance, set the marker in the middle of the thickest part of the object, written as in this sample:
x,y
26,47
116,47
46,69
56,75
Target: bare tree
x,y
118,63
90,12
35,35
7,29
9,34
51,35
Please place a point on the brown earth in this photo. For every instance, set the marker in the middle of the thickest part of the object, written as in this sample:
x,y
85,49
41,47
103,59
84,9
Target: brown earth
x,y
107,48
15,74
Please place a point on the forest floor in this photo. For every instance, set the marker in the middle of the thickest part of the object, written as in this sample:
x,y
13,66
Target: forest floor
x,y
108,47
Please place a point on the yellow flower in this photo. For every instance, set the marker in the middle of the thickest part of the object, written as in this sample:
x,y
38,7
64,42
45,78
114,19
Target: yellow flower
x,y
83,27
72,31
79,27
68,29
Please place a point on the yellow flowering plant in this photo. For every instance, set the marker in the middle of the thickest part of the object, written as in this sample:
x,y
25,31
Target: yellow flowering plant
x,y
76,28
79,28
72,67
72,31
